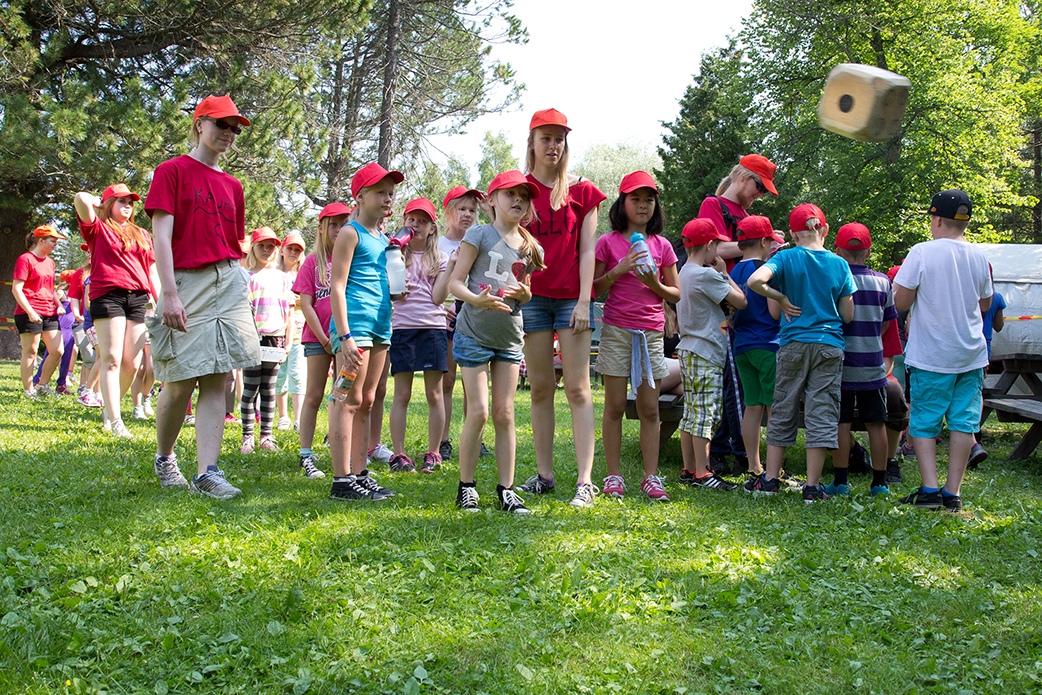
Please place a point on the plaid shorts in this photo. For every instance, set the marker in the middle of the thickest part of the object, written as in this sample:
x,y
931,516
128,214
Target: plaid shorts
x,y
703,394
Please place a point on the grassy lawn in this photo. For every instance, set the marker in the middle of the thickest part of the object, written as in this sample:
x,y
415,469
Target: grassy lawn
x,y
113,585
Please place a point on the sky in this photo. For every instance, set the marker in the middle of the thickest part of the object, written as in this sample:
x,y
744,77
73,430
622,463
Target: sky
x,y
615,69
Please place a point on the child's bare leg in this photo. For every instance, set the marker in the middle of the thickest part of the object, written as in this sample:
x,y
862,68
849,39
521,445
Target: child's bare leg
x,y
926,457
371,375
435,406
841,456
504,385
877,444
815,462
751,436
400,410
700,450
775,459
647,411
476,381
611,422
960,444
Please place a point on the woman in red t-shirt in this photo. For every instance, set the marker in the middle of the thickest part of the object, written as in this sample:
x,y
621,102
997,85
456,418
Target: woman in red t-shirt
x,y
37,308
122,262
566,228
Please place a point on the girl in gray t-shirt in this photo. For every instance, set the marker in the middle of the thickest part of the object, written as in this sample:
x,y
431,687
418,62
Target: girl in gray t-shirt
x,y
491,277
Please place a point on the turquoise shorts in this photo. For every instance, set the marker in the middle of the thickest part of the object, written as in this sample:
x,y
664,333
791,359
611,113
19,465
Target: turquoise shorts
x,y
938,397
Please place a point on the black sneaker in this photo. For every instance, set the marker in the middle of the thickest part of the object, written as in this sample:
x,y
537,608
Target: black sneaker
x,y
977,455
485,450
368,481
761,486
925,500
686,476
953,503
741,465
536,485
445,450
713,482
349,490
467,498
718,464
510,501
893,471
814,494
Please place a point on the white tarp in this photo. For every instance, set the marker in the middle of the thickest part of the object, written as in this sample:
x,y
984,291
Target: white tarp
x,y
1017,269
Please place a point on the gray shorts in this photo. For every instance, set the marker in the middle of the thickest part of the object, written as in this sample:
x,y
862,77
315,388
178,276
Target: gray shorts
x,y
813,372
220,336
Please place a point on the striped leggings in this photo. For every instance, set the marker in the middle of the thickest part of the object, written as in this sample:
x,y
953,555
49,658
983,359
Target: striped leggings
x,y
260,379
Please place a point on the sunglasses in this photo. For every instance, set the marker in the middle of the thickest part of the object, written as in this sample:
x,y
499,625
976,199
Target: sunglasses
x,y
221,125
759,185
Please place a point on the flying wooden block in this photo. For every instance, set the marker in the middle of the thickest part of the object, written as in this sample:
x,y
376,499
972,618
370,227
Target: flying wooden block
x,y
863,102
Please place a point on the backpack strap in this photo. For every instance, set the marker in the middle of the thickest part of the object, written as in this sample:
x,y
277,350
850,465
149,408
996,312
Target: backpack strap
x,y
730,221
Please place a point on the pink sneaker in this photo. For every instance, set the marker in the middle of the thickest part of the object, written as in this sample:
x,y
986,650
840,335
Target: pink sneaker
x,y
614,486
248,444
652,487
230,419
268,443
62,390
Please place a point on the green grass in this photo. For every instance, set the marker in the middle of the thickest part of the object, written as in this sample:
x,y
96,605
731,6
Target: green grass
x,y
113,585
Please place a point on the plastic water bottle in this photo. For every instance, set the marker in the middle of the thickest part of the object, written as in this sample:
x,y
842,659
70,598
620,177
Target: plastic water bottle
x,y
403,236
646,264
395,270
344,381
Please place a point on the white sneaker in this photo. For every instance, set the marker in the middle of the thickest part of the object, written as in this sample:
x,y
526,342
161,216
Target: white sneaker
x,y
120,430
585,495
147,408
139,412
46,390
381,453
31,393
106,424
284,423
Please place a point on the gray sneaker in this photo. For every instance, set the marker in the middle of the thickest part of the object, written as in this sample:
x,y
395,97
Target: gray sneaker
x,y
212,484
168,472
585,495
307,463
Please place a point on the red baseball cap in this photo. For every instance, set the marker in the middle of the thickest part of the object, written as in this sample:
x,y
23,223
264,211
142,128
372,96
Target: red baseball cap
x,y
264,234
334,209
635,181
549,117
701,231
756,227
421,204
217,108
798,217
509,179
294,239
45,230
119,190
459,192
893,271
84,247
853,236
371,174
762,167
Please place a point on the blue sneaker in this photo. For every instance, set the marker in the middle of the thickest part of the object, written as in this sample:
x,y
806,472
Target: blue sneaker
x,y
880,490
833,489
815,494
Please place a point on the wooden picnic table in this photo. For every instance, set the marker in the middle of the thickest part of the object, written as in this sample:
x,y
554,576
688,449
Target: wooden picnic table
x,y
1012,407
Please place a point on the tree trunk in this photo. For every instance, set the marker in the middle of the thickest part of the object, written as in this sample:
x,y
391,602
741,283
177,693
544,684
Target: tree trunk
x,y
394,25
1036,157
14,225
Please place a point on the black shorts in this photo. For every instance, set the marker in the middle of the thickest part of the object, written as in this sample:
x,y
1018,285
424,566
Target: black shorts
x,y
896,408
419,350
870,405
116,303
24,325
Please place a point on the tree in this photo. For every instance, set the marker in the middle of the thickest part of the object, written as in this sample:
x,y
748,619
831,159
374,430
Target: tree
x,y
605,165
497,156
708,137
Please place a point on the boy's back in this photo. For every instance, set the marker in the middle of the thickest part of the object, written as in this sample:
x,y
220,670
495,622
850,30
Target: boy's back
x,y
863,347
754,327
946,332
814,281
699,314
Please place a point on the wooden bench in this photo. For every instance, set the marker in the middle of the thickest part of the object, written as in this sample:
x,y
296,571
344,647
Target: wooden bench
x,y
670,412
1019,410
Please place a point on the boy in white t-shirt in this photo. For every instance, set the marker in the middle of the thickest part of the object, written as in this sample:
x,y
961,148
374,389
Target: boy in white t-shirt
x,y
946,284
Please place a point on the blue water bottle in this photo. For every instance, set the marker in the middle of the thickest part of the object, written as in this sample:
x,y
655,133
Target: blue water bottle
x,y
646,264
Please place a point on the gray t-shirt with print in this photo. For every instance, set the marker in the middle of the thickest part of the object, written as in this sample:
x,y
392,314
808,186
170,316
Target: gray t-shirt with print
x,y
494,268
699,314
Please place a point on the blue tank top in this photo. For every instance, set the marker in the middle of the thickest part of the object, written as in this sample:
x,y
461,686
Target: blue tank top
x,y
368,296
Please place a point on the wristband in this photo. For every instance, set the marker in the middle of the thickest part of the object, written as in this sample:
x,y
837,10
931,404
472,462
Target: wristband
x,y
341,338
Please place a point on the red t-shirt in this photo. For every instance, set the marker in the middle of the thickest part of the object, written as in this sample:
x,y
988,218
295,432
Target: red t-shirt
x,y
892,340
208,208
76,285
112,266
557,231
710,210
38,274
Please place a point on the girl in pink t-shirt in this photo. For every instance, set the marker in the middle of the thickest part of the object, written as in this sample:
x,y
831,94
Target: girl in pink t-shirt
x,y
418,341
312,284
37,308
632,325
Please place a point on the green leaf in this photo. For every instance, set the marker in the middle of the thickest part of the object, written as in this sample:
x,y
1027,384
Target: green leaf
x,y
78,587
420,672
227,637
412,687
525,672
160,688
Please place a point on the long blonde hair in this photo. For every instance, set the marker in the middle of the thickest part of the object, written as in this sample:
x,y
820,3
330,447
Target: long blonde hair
x,y
284,267
132,236
252,259
737,172
430,258
530,250
560,189
321,252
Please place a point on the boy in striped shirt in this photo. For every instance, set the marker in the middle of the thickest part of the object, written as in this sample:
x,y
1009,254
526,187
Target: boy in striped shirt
x,y
864,375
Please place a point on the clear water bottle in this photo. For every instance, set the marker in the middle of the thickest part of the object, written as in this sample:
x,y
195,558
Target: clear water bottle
x,y
344,381
646,264
395,270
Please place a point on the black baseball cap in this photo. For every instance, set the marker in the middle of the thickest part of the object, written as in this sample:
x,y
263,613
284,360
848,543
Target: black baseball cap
x,y
947,203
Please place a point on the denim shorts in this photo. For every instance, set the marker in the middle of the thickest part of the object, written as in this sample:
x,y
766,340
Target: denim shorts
x,y
467,352
937,397
549,314
313,347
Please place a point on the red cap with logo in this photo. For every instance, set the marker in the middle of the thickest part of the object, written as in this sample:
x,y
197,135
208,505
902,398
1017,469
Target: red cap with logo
x,y
853,236
635,181
549,117
756,227
509,179
459,192
218,108
421,204
371,174
701,231
799,217
264,234
119,190
762,167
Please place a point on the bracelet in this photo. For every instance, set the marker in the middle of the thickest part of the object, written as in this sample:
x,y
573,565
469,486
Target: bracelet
x,y
341,338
